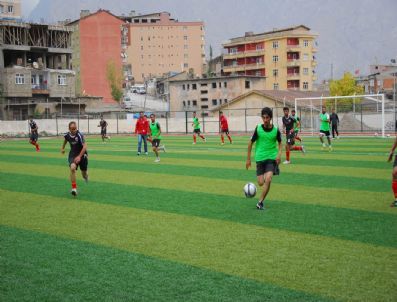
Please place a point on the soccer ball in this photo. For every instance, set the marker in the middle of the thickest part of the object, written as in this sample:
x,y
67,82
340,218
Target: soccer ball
x,y
249,190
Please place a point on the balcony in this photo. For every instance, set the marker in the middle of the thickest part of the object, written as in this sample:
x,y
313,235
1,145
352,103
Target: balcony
x,y
293,47
293,62
40,89
234,68
258,65
293,76
242,54
314,49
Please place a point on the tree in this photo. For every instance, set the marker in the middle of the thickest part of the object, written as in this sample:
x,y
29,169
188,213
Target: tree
x,y
345,86
115,79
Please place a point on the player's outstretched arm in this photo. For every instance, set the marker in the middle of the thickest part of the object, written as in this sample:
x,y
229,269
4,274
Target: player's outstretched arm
x,y
248,162
392,150
63,146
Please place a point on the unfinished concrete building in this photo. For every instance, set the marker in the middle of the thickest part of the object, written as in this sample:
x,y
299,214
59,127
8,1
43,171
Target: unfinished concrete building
x,y
36,75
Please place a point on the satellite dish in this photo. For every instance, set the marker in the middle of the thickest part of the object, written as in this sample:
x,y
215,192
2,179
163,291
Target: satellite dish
x,y
35,65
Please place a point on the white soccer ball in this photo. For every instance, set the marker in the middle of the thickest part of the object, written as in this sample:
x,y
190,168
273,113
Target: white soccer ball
x,y
249,190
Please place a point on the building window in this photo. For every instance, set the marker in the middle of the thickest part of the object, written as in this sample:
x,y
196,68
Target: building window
x,y
188,103
61,79
305,57
184,104
305,43
188,86
275,72
194,103
305,85
194,86
225,84
183,87
247,84
185,65
204,91
19,79
185,38
214,102
225,100
203,84
258,73
275,58
275,86
305,71
204,99
10,9
213,85
204,107
275,44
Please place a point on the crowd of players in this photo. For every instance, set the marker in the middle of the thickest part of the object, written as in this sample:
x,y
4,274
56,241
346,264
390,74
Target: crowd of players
x,y
267,137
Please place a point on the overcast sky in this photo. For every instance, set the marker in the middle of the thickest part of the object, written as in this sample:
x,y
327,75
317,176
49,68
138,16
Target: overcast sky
x,y
352,33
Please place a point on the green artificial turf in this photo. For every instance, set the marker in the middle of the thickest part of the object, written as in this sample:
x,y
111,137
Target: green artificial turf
x,y
327,233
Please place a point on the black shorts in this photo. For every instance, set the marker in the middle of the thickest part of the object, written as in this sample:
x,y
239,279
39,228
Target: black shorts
x,y
34,137
226,131
268,165
395,161
103,132
197,131
326,133
155,142
290,138
83,164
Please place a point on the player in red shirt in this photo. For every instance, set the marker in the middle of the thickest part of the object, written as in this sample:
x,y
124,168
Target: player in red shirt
x,y
224,127
142,128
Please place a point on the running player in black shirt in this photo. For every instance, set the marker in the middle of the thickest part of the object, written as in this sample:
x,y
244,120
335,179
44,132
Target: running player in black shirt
x,y
77,154
34,134
288,126
334,121
103,124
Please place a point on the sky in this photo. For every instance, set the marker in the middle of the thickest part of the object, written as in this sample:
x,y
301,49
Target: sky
x,y
352,33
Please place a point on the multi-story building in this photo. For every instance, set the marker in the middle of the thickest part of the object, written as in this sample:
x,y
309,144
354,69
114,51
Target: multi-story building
x,y
10,10
97,44
204,94
159,44
35,69
285,56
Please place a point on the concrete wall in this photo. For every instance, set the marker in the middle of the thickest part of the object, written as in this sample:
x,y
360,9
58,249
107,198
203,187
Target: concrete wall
x,y
7,76
57,90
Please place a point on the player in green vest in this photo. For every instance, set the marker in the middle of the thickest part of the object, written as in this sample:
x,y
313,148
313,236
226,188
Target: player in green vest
x,y
324,128
155,134
297,125
196,129
267,153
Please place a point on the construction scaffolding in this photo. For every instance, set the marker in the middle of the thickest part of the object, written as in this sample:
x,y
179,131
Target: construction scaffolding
x,y
35,35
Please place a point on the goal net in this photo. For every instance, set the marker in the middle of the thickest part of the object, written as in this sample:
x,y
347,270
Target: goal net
x,y
369,114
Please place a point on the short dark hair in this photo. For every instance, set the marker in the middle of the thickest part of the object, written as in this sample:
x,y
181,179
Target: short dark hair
x,y
267,111
220,112
285,108
71,123
152,115
194,111
293,110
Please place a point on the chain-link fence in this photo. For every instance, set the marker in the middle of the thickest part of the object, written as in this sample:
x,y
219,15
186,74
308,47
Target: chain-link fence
x,y
363,118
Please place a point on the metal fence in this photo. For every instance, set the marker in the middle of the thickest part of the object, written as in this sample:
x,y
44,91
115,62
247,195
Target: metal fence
x,y
362,119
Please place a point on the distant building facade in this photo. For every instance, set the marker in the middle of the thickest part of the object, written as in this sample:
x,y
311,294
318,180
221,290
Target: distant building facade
x,y
35,69
159,45
10,10
204,94
285,56
96,42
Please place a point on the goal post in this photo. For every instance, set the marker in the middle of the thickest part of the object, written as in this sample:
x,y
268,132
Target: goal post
x,y
358,114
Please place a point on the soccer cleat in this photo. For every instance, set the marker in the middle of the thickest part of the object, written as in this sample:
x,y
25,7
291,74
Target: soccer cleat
x,y
74,192
303,149
157,160
287,162
260,205
193,143
394,204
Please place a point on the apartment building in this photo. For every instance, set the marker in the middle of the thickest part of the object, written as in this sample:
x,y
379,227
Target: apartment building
x,y
10,10
35,69
205,94
159,44
96,42
285,56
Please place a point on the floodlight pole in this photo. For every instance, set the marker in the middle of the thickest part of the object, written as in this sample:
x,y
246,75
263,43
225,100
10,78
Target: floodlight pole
x,y
383,115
